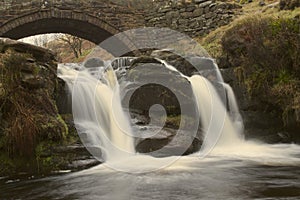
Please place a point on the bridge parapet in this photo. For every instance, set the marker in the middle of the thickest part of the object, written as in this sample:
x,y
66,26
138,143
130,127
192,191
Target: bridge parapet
x,y
121,17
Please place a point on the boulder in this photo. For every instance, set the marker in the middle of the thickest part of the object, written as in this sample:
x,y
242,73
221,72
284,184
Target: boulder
x,y
39,54
29,115
169,143
179,62
150,83
93,63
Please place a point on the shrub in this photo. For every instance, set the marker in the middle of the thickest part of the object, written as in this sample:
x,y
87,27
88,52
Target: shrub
x,y
266,51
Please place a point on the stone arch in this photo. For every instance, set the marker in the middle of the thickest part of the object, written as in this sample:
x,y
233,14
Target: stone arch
x,y
77,23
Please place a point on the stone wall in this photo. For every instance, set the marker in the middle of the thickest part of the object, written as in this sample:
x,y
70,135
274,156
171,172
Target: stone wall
x,y
119,16
193,18
197,17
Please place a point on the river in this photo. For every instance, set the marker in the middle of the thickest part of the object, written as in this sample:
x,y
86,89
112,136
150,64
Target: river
x,y
227,167
213,177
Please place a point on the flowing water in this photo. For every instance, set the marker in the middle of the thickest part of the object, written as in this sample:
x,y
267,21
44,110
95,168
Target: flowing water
x,y
226,167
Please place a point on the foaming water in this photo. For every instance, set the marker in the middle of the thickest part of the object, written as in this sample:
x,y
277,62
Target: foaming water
x,y
217,126
232,168
106,131
247,151
223,130
233,110
98,115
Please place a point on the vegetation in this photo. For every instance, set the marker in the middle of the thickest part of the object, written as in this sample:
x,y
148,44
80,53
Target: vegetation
x,y
66,54
28,111
264,49
74,43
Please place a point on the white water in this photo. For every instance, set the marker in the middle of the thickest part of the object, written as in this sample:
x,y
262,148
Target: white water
x,y
216,124
106,132
233,169
98,116
234,111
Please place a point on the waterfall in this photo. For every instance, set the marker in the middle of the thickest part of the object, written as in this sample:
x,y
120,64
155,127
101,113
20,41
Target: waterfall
x,y
98,116
221,126
233,109
217,126
106,132
105,129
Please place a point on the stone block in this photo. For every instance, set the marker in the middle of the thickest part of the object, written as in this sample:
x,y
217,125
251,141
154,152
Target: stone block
x,y
198,12
205,4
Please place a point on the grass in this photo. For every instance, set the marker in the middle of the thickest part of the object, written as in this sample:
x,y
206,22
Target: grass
x,y
264,50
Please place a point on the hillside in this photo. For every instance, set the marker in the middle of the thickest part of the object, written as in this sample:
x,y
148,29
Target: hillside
x,y
259,54
66,55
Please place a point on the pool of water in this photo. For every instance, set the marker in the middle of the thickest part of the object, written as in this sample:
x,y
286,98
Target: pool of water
x,y
214,177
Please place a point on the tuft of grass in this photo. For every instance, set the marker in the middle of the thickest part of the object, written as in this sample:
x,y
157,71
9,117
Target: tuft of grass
x,y
28,115
264,51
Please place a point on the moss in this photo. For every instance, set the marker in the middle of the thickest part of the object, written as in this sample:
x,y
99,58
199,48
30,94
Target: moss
x,y
264,51
16,166
45,160
65,129
30,122
284,77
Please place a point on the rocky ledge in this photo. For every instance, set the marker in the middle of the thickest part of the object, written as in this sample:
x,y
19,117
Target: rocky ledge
x,y
34,137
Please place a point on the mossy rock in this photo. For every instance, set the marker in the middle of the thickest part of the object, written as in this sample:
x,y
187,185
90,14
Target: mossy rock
x,y
262,51
29,115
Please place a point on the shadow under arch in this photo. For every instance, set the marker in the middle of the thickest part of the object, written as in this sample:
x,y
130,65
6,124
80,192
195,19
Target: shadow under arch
x,y
79,24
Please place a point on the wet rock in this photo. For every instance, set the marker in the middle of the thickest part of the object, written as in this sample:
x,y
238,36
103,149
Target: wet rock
x,y
152,83
63,98
169,143
38,53
188,65
180,63
262,3
82,164
93,63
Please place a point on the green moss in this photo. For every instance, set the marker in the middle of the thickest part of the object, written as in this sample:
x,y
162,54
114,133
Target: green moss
x,y
212,42
36,70
65,129
44,158
30,123
264,49
284,77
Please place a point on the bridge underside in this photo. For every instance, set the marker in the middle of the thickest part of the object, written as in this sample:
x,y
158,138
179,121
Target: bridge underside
x,y
53,25
82,29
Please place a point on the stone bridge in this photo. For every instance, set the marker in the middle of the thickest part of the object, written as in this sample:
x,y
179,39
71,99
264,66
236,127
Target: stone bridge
x,y
96,20
92,20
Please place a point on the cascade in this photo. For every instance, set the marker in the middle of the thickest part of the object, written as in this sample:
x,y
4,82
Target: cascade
x,y
105,129
217,125
98,116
